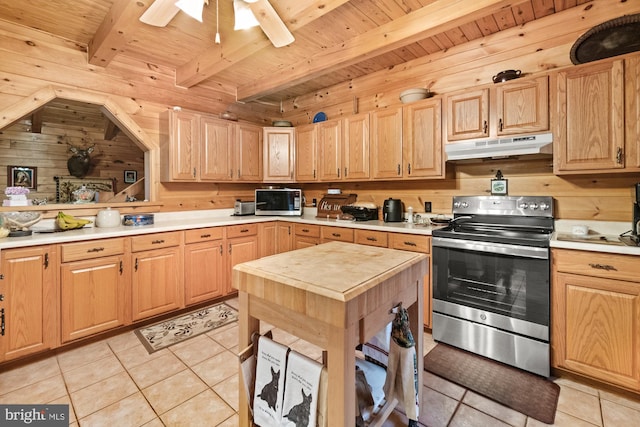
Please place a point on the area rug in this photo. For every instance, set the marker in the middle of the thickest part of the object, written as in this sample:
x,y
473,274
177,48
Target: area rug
x,y
522,391
172,331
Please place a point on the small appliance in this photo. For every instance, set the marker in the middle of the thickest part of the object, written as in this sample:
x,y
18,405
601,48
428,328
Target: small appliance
x,y
244,208
278,201
361,211
392,210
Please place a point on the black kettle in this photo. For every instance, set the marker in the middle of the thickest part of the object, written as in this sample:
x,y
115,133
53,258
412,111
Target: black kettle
x,y
392,210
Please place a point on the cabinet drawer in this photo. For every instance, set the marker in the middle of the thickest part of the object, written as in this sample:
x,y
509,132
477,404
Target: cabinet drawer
x,y
372,238
337,233
597,264
203,234
155,241
242,230
410,242
92,249
307,230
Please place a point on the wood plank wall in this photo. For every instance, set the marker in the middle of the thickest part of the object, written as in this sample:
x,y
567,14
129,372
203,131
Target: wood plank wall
x,y
32,60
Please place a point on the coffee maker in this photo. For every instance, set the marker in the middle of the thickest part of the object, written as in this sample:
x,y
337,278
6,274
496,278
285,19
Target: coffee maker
x,y
635,226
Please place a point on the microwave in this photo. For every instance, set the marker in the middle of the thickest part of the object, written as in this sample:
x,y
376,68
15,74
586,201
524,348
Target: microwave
x,y
278,201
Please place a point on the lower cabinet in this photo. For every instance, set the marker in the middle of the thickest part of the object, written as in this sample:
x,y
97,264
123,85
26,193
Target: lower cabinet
x,y
94,283
305,235
204,267
267,239
242,246
284,235
596,316
29,304
341,234
157,284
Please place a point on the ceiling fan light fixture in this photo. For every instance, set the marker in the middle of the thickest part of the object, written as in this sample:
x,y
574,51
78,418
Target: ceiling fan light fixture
x,y
244,17
193,8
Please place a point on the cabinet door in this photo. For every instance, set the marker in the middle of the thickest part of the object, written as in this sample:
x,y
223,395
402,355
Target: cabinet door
x,y
216,142
240,249
468,115
248,153
285,237
422,144
30,303
632,112
356,147
93,296
341,234
204,271
523,106
386,143
157,282
306,153
268,239
590,118
330,149
279,154
596,328
179,146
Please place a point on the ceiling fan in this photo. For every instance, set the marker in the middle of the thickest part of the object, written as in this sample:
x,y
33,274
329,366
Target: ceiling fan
x,y
161,12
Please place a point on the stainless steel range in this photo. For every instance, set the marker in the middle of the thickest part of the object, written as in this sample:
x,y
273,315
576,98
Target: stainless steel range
x,y
491,279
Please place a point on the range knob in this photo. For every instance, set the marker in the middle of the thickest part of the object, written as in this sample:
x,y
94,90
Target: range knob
x,y
533,206
523,205
464,205
544,206
456,204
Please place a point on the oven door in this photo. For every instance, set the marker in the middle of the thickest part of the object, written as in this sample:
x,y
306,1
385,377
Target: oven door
x,y
499,285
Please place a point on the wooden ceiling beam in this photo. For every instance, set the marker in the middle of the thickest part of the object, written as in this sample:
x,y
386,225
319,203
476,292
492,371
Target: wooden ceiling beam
x,y
220,57
428,21
116,30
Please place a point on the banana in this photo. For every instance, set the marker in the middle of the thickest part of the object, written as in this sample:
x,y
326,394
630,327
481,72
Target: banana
x,y
68,222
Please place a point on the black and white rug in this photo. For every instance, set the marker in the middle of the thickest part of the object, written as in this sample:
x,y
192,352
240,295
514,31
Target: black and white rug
x,y
172,331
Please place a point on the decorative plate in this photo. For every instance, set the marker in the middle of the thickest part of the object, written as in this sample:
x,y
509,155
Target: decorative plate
x,y
320,117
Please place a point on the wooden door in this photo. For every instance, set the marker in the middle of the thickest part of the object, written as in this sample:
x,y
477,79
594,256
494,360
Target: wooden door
x,y
30,301
216,149
306,163
268,238
285,237
632,112
468,115
240,249
386,143
522,106
157,282
93,296
590,118
204,271
180,153
330,149
279,154
248,153
356,147
422,144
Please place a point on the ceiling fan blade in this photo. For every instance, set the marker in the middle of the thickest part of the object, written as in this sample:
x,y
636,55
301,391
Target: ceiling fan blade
x,y
160,13
271,23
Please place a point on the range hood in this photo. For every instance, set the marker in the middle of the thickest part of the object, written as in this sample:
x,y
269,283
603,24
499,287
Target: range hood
x,y
501,147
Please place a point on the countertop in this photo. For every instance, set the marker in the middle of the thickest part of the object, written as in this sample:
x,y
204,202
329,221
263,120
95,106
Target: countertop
x,y
603,234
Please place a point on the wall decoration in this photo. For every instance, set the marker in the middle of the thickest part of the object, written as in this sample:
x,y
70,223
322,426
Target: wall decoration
x,y
66,185
22,176
130,177
499,186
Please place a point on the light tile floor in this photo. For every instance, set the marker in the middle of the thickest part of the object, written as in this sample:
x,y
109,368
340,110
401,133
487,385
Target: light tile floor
x,y
195,383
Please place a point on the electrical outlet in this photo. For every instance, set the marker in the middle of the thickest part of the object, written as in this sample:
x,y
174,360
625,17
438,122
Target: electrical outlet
x,y
427,207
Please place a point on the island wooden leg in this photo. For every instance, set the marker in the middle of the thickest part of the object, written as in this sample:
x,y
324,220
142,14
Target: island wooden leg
x,y
247,326
341,369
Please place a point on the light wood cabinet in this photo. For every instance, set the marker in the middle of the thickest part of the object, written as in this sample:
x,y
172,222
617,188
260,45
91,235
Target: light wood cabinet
x,y
340,234
267,239
29,305
522,106
204,267
157,284
330,151
597,107
242,246
371,238
305,235
596,316
468,115
422,140
306,161
386,143
248,153
285,237
94,287
179,146
279,154
356,157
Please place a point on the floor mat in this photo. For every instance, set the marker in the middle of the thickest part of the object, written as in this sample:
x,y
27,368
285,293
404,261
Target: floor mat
x,y
172,331
522,391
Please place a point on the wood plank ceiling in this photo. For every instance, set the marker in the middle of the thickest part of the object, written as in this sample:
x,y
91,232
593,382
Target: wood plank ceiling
x,y
335,40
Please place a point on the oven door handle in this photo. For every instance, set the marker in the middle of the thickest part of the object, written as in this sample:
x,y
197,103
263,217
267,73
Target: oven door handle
x,y
490,247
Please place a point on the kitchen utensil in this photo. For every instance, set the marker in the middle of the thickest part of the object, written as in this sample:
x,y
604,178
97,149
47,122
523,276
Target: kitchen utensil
x,y
227,115
282,123
361,211
580,230
392,210
439,220
18,223
505,75
83,195
415,94
108,218
320,117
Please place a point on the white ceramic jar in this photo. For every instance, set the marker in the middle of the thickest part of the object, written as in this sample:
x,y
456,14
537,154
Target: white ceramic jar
x,y
108,218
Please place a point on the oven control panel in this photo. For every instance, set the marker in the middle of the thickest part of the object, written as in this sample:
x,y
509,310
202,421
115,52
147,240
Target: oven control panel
x,y
504,205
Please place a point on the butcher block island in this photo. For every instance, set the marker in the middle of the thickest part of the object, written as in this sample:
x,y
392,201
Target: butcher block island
x,y
334,295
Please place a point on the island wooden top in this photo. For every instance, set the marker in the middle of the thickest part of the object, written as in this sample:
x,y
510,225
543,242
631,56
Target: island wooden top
x,y
335,270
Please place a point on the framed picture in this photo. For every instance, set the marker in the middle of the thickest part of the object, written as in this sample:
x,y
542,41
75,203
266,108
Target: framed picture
x,y
499,187
22,176
130,177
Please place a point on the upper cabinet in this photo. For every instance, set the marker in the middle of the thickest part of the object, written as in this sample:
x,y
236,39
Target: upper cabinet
x,y
197,147
592,104
386,143
355,159
468,115
306,162
279,154
330,151
422,139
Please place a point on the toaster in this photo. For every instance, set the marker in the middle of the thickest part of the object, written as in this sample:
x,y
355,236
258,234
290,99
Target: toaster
x,y
244,208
